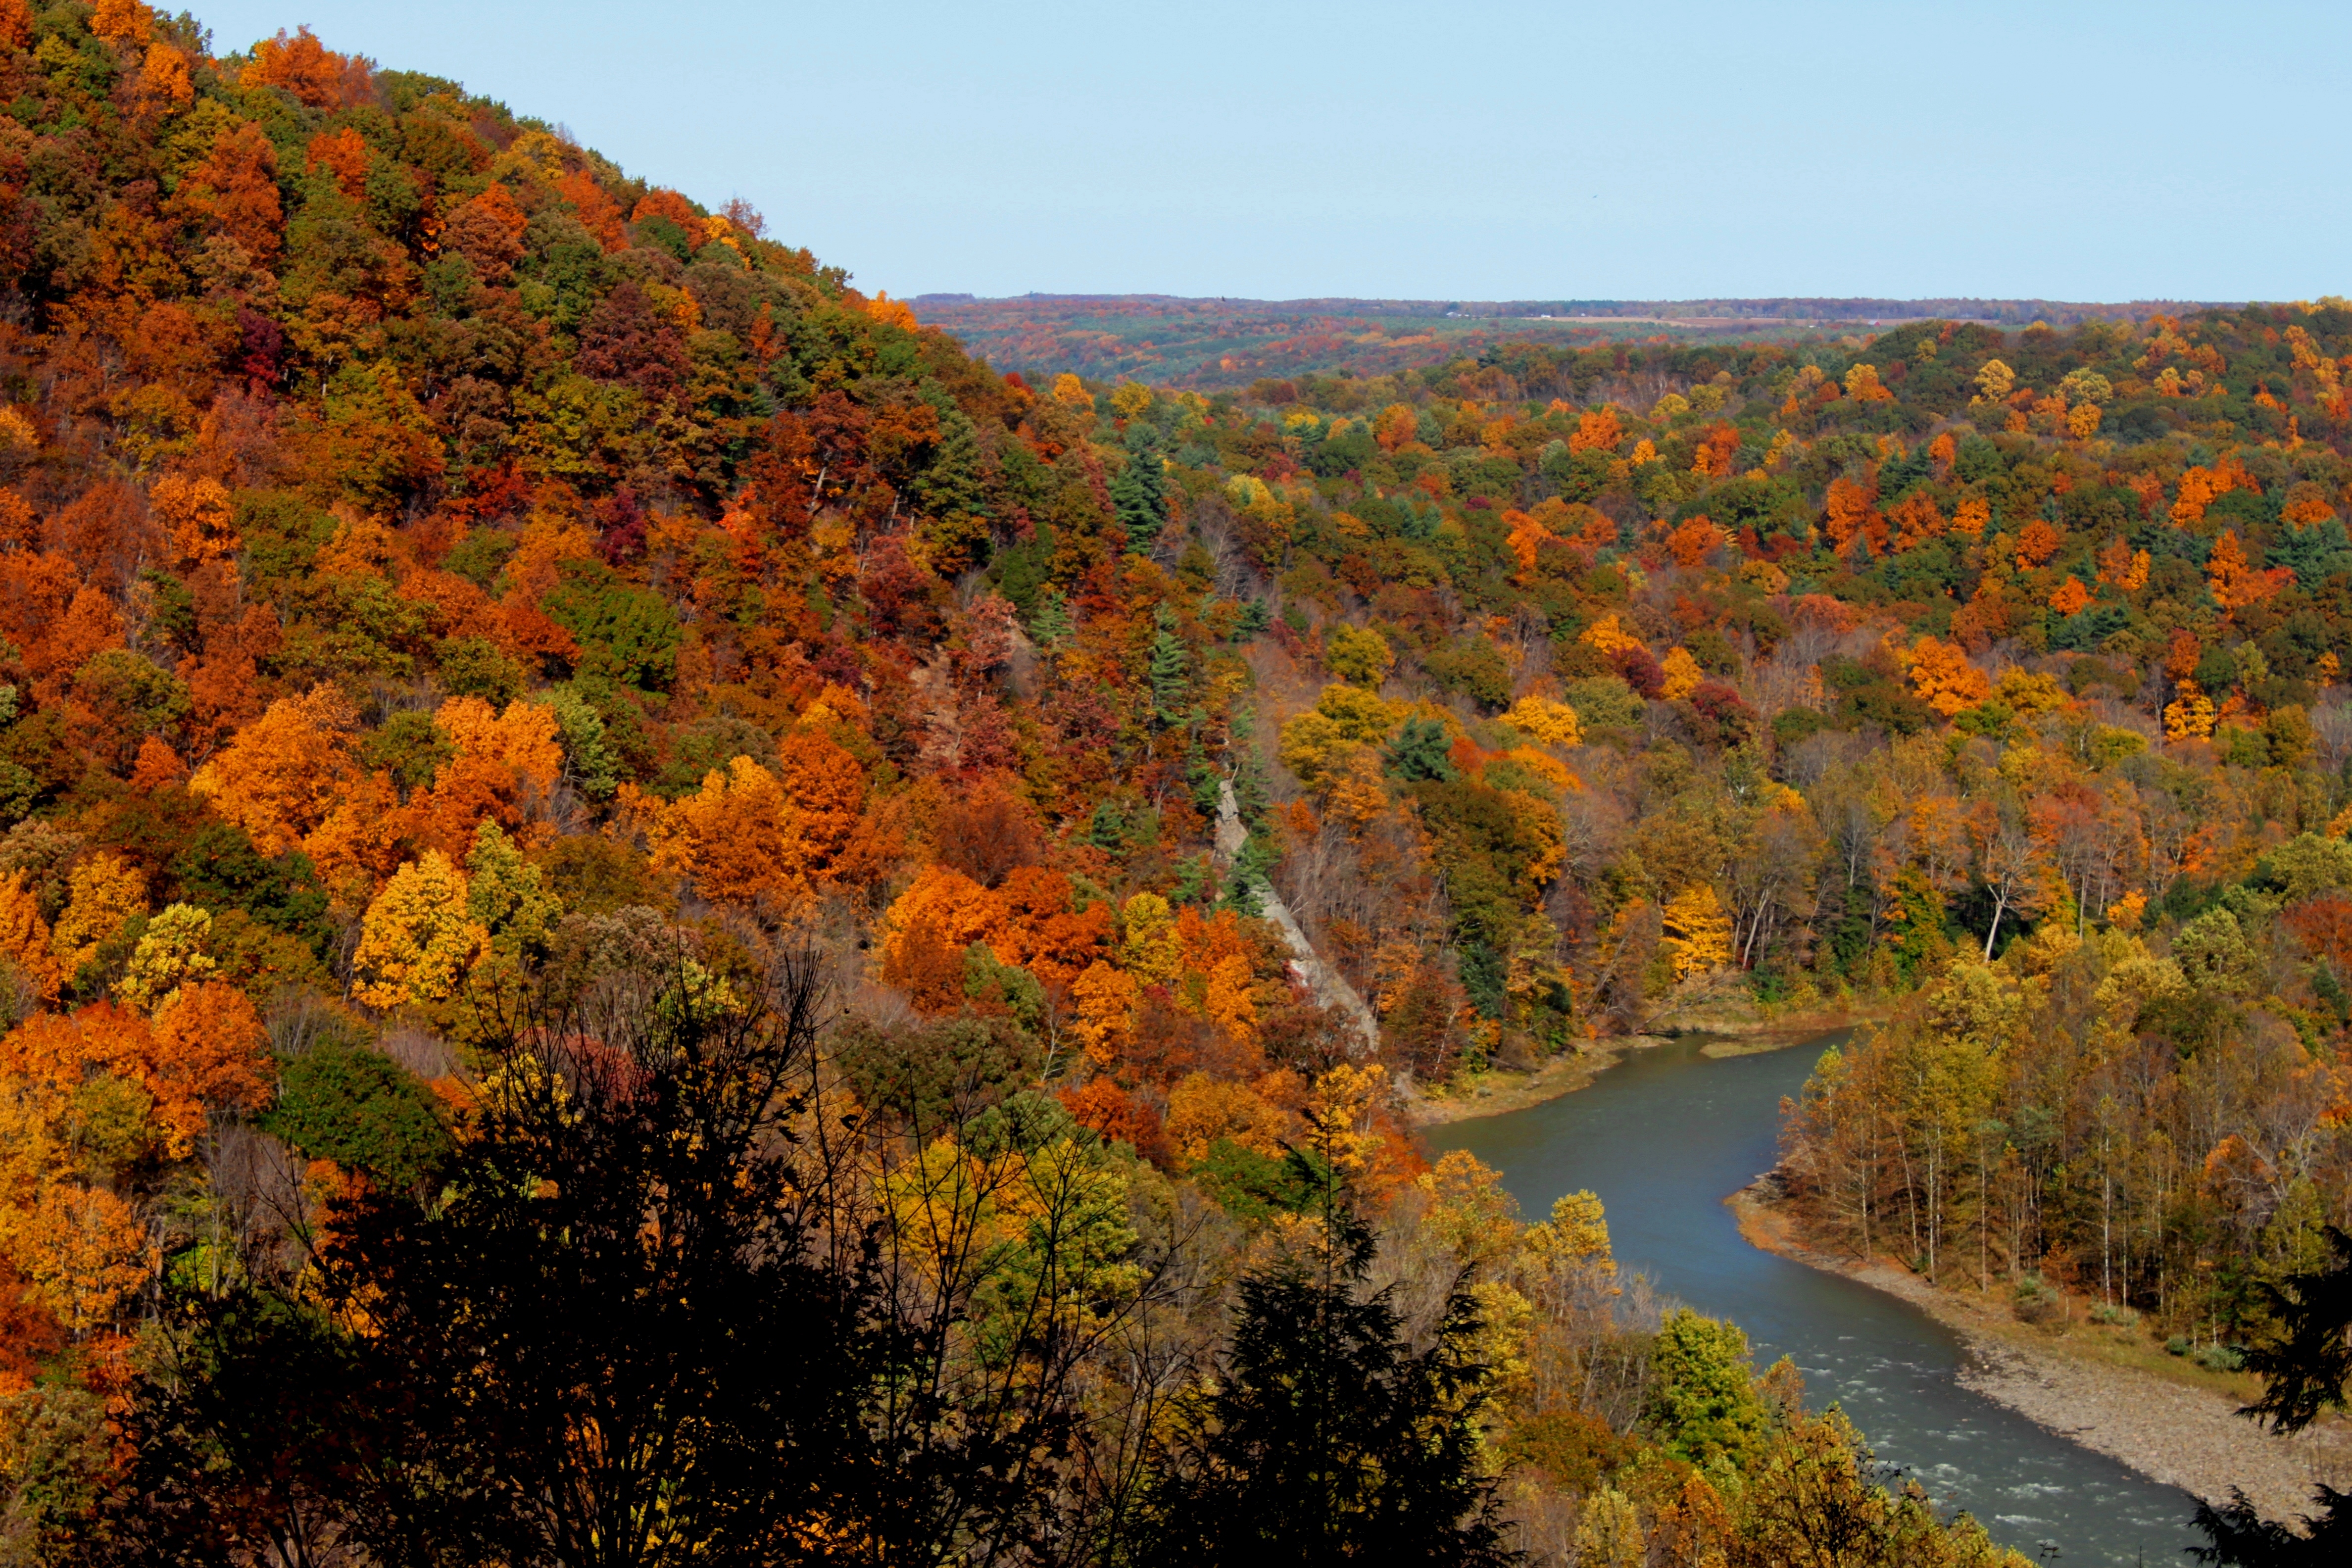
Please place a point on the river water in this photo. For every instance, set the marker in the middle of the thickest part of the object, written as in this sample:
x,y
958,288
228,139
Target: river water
x,y
1668,1133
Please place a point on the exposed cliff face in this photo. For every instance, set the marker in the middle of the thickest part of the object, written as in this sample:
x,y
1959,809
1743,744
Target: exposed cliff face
x,y
1324,982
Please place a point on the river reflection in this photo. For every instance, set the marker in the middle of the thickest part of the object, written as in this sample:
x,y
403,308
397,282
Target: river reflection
x,y
1664,1137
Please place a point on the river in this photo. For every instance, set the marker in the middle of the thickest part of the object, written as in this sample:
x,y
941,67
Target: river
x,y
1667,1134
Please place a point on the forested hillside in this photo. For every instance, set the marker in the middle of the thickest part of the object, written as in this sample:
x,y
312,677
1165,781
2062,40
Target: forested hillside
x,y
1857,666
618,942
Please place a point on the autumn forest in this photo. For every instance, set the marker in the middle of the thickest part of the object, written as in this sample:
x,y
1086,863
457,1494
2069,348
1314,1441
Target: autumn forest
x,y
646,914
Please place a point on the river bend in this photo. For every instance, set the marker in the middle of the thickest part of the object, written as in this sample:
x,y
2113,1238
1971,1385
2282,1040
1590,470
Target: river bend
x,y
1664,1137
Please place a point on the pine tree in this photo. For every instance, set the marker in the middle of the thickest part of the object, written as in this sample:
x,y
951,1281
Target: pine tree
x,y
2306,1363
2306,1369
1420,752
950,486
1241,894
1051,625
1171,670
1137,494
1250,794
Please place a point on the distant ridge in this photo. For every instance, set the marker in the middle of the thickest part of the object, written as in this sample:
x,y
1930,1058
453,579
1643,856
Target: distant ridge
x,y
1216,342
1822,308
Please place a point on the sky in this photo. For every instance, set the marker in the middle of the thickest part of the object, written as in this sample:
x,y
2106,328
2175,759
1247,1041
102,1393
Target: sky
x,y
1479,150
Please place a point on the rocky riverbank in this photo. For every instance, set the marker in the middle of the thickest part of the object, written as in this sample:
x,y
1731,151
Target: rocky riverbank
x,y
2173,1424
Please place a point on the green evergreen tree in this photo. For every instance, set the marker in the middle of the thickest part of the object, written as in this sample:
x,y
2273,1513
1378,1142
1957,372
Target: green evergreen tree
x,y
1243,883
1202,777
1051,625
588,755
950,486
1250,794
1137,493
1421,752
1171,670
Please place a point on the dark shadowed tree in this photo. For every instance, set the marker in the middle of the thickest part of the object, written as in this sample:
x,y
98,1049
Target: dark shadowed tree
x,y
2304,1367
1329,1439
621,1328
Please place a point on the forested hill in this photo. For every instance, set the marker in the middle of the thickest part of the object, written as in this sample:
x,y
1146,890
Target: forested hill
x,y
1213,343
612,929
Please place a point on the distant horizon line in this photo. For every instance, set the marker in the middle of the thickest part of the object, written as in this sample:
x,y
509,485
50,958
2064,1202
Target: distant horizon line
x,y
1831,307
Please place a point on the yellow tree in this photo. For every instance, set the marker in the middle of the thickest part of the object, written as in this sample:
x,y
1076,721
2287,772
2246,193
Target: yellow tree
x,y
1229,1001
1609,636
106,890
1202,1110
1862,384
1575,1238
1314,743
2188,717
1994,382
1697,932
171,953
1357,655
1683,674
1339,1112
418,938
1542,719
1148,947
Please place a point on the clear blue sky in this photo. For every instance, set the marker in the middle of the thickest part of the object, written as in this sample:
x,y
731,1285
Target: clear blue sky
x,y
1477,150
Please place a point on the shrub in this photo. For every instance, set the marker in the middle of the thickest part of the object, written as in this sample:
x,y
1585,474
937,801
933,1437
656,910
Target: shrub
x,y
2037,1303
